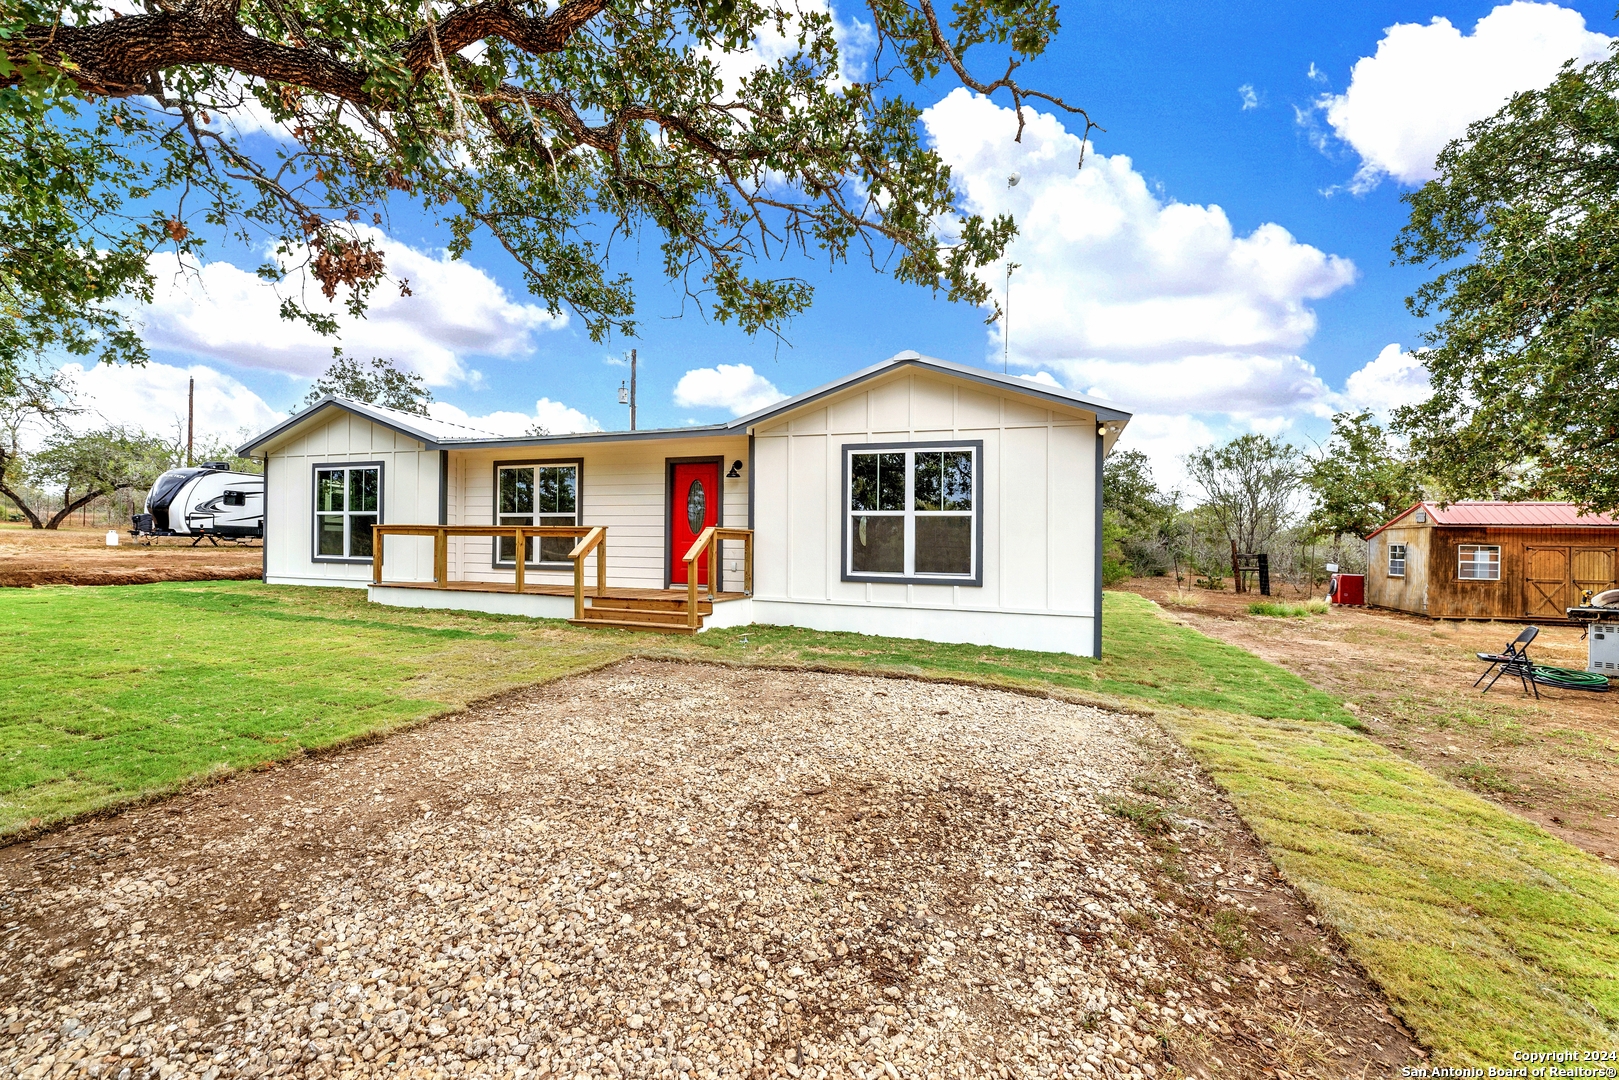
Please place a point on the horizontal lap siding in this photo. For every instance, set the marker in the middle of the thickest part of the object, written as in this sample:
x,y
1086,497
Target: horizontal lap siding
x,y
1038,497
409,489
623,487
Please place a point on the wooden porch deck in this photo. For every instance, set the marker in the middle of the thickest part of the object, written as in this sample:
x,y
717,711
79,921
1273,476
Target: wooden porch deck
x,y
668,611
532,589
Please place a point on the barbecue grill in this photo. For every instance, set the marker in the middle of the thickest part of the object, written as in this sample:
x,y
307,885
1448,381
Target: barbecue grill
x,y
1601,624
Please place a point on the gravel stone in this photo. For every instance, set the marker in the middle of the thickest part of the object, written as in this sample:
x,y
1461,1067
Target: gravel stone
x,y
658,870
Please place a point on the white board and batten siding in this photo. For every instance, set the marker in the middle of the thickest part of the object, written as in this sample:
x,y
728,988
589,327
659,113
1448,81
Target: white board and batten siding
x,y
410,493
622,485
1039,510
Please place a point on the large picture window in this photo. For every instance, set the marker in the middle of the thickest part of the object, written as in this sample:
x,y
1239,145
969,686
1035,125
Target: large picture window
x,y
1478,562
348,501
538,494
911,513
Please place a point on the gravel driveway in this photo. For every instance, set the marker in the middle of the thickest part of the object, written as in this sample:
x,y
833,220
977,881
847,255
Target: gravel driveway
x,y
665,869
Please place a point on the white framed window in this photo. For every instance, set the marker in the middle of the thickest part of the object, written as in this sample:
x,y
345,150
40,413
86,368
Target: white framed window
x,y
348,501
1478,562
1396,560
912,513
536,493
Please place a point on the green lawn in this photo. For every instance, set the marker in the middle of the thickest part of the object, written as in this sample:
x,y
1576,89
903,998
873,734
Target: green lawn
x,y
1487,933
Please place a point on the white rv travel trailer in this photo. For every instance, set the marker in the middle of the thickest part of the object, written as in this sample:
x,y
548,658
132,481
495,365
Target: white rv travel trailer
x,y
206,501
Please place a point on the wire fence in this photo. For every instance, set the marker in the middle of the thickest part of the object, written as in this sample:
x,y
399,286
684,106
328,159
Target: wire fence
x,y
101,512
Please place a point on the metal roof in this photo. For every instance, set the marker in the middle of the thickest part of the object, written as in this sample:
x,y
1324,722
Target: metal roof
x,y
1502,514
413,425
441,434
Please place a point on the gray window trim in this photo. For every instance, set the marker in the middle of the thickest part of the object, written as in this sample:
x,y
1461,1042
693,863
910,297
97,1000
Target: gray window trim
x,y
977,578
314,504
494,502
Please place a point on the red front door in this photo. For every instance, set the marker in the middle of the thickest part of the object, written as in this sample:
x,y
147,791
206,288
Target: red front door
x,y
694,505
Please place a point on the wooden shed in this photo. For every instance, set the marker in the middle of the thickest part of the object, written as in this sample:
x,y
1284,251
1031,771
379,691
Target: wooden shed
x,y
1491,560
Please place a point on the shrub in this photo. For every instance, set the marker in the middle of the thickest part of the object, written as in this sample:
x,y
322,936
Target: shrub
x,y
1282,609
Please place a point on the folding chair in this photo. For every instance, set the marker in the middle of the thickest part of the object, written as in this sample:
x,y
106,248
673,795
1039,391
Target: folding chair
x,y
1513,660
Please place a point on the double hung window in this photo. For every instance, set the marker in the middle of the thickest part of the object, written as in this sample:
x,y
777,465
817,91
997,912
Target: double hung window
x,y
912,513
1478,562
1396,560
348,501
537,495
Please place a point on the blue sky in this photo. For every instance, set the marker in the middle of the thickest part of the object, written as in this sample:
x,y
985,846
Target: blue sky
x,y
1206,322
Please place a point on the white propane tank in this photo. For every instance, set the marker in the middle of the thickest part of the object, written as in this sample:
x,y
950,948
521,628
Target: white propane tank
x,y
112,537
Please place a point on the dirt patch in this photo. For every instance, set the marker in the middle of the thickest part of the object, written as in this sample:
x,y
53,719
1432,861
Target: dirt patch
x,y
669,870
81,557
1410,680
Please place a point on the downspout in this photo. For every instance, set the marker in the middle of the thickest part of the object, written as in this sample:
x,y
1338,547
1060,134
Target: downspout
x,y
1101,449
264,527
750,478
443,487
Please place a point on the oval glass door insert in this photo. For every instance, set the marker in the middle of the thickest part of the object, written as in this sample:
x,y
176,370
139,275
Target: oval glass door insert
x,y
696,506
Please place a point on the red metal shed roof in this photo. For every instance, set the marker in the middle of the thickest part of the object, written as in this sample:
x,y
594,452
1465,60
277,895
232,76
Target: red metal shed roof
x,y
1528,515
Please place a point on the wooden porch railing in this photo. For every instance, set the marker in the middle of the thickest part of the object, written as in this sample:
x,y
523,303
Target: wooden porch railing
x,y
590,539
709,541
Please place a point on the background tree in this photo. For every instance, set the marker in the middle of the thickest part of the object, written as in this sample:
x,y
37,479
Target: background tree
x,y
1523,223
96,464
1142,531
1249,485
34,402
1359,478
549,129
380,383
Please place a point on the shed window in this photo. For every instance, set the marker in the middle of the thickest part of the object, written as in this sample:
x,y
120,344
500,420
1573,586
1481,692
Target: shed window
x,y
537,495
1396,560
913,513
1478,562
348,501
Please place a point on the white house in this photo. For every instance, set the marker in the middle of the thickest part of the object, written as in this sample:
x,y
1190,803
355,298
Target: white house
x,y
917,498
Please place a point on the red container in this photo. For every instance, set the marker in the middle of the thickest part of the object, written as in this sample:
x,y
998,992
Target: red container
x,y
1348,590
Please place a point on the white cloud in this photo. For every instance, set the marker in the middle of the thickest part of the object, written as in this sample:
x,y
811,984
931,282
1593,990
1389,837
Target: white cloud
x,y
152,398
1155,304
455,311
1425,84
855,40
1166,439
1315,74
555,417
1044,378
1393,379
1250,99
736,387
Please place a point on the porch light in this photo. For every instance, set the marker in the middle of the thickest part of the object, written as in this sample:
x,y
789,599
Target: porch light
x,y
736,470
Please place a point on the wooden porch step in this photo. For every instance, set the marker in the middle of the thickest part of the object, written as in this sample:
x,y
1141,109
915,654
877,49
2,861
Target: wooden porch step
x,y
637,624
637,614
649,603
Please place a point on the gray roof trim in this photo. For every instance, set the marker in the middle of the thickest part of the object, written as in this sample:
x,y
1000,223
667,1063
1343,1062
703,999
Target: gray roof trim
x,y
332,401
1102,410
646,434
400,422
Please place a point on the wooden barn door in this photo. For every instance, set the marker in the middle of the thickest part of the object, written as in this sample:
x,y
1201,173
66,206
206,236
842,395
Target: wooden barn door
x,y
1593,570
1546,584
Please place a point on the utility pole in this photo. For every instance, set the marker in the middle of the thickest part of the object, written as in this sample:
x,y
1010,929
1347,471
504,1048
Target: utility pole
x,y
627,396
191,417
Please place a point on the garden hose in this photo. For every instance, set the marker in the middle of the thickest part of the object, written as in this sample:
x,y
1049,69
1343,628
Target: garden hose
x,y
1569,679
